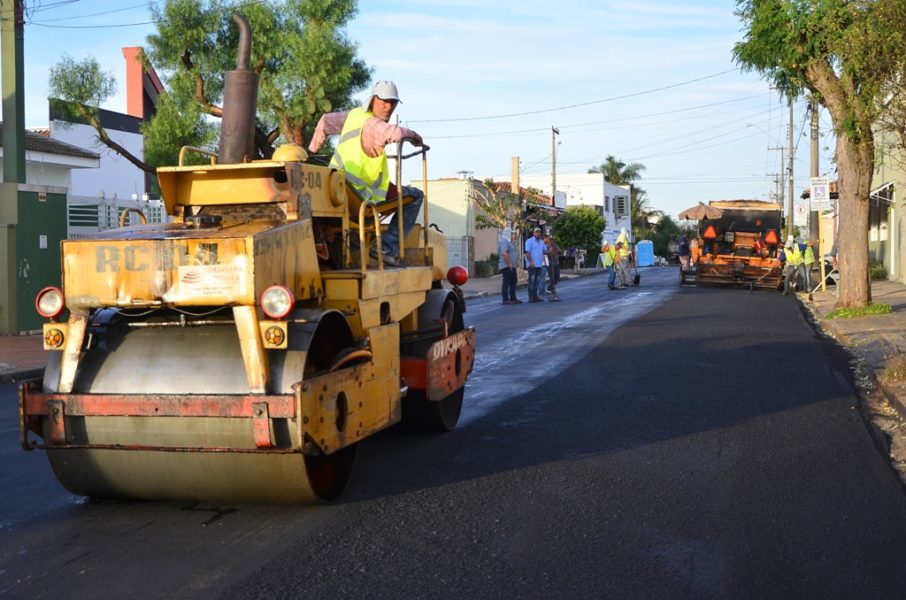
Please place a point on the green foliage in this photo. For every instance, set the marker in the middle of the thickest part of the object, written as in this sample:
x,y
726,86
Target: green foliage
x,y
81,83
579,227
496,209
174,127
859,311
488,267
877,271
617,172
850,55
306,63
665,232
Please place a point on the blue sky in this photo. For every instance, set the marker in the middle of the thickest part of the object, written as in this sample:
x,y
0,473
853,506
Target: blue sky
x,y
649,82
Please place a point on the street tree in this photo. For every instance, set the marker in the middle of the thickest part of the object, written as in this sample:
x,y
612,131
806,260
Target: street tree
x,y
846,53
663,233
306,63
496,208
84,87
617,172
579,226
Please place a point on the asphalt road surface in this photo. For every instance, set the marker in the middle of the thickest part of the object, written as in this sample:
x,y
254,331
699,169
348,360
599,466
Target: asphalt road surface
x,y
649,443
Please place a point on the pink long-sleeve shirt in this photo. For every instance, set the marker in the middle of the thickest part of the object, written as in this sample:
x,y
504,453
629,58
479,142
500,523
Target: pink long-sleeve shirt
x,y
376,133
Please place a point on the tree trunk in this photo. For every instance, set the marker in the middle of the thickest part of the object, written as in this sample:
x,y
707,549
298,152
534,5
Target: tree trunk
x,y
854,161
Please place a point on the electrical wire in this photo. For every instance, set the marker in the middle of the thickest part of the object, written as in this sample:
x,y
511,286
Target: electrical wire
x,y
581,104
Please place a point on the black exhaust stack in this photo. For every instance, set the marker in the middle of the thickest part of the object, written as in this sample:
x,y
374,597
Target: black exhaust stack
x,y
240,101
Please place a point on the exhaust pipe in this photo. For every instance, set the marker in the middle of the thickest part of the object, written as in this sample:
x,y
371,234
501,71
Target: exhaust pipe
x,y
240,101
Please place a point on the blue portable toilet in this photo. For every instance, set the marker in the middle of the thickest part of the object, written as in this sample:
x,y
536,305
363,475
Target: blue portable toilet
x,y
644,253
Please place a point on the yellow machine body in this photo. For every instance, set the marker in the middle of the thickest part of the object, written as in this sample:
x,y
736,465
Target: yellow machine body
x,y
168,381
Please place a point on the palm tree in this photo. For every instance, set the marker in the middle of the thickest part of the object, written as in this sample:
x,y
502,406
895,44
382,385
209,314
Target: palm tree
x,y
617,172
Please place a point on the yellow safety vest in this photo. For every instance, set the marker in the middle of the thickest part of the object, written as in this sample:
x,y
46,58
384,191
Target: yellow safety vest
x,y
610,256
368,176
809,255
793,255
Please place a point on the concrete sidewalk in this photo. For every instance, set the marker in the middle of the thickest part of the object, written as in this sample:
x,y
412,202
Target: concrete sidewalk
x,y
21,357
876,340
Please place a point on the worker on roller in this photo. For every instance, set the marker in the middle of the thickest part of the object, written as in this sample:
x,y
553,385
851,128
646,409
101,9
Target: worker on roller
x,y
364,132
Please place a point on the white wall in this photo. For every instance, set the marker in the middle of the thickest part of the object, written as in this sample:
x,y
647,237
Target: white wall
x,y
116,175
41,173
582,188
44,169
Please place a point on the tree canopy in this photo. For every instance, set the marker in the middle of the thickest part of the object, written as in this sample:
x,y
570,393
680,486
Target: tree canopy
x,y
850,55
617,172
306,63
497,209
579,226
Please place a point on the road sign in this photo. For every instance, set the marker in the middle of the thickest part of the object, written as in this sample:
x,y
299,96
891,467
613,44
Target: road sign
x,y
819,195
800,213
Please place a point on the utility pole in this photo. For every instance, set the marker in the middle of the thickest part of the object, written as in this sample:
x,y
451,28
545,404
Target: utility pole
x,y
11,42
779,177
814,216
554,133
13,86
518,217
511,215
789,226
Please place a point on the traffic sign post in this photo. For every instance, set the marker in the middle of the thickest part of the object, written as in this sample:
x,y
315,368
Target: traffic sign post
x,y
819,194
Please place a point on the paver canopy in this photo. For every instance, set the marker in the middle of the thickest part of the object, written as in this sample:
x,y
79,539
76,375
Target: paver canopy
x,y
699,212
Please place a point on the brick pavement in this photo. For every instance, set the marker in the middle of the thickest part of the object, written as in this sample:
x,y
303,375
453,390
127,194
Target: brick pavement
x,y
21,356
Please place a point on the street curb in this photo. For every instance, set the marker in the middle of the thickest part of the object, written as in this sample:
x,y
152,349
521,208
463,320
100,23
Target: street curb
x,y
828,327
17,375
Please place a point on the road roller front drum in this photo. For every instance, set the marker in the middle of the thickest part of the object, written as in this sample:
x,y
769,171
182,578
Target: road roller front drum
x,y
189,435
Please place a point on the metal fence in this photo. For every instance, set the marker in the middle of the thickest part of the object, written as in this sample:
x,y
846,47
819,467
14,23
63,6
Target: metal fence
x,y
461,251
86,215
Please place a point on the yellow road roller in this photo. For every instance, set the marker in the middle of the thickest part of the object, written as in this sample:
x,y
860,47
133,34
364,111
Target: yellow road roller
x,y
240,351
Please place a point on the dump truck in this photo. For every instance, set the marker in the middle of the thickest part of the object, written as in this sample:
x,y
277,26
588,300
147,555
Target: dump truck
x,y
737,245
242,350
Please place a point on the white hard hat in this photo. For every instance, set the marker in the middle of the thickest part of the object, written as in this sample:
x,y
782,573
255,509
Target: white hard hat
x,y
385,90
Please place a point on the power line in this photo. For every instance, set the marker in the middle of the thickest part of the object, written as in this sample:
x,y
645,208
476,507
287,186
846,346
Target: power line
x,y
578,125
117,25
559,108
97,14
45,23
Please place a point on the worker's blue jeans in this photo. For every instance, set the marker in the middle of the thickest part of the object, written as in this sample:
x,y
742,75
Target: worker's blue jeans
x,y
534,279
612,276
390,239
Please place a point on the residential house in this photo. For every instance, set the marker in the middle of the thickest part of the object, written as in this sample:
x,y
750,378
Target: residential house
x,y
452,210
32,225
589,189
73,186
887,211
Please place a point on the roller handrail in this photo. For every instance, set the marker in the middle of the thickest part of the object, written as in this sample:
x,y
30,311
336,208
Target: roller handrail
x,y
423,149
400,157
377,236
185,149
130,209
